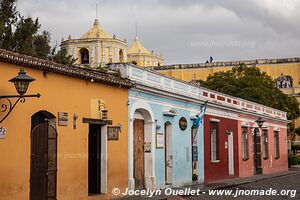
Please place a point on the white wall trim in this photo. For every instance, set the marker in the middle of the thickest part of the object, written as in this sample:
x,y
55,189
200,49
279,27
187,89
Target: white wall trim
x,y
103,159
214,120
245,124
150,180
210,111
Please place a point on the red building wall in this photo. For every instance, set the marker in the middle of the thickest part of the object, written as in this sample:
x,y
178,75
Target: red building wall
x,y
217,171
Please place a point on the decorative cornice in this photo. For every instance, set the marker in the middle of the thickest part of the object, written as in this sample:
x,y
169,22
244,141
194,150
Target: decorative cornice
x,y
72,71
155,82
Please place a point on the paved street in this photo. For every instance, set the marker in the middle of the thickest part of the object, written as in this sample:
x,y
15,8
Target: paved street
x,y
289,182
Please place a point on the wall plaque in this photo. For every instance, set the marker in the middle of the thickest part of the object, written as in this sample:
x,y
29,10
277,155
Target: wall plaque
x,y
113,132
160,140
62,119
2,132
147,147
183,123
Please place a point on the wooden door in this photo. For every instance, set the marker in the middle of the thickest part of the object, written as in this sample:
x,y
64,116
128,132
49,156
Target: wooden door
x,y
138,153
94,159
257,152
43,166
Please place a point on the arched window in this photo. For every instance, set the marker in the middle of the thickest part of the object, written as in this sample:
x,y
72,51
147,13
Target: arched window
x,y
84,55
284,81
121,56
134,62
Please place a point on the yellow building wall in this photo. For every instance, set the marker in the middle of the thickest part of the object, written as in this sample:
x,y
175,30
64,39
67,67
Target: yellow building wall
x,y
273,70
60,94
144,61
189,74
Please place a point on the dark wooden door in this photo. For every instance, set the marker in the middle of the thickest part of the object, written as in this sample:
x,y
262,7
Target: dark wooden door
x,y
51,172
257,152
138,153
43,171
94,159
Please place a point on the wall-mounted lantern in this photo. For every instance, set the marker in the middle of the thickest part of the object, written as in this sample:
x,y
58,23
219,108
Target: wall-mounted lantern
x,y
260,122
104,111
21,82
157,127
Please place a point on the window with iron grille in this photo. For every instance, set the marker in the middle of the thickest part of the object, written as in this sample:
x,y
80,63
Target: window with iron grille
x,y
214,141
266,144
245,143
276,144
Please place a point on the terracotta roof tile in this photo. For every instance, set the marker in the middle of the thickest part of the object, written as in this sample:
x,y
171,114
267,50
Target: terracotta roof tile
x,y
72,71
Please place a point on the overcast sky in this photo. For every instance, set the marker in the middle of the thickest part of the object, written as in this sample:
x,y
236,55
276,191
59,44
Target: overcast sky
x,y
184,31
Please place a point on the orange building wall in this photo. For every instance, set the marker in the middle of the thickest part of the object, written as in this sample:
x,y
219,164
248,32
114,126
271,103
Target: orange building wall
x,y
60,94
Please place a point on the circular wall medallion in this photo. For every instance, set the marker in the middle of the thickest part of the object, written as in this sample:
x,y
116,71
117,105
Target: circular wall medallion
x,y
183,123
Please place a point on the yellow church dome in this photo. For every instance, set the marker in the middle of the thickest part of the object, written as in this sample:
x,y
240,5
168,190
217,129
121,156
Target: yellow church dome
x,y
95,32
137,48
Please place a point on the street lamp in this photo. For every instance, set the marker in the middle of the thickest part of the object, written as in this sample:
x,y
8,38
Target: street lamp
x,y
21,82
260,121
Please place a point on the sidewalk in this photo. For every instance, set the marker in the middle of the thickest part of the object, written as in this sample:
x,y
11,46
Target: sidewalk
x,y
222,184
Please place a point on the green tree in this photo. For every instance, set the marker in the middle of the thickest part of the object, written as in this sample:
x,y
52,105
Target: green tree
x,y
8,18
41,45
251,84
26,37
60,56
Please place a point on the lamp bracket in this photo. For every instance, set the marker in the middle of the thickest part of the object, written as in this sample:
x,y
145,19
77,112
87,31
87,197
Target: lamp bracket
x,y
7,106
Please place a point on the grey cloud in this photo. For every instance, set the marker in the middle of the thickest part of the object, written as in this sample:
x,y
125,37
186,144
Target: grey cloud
x,y
184,31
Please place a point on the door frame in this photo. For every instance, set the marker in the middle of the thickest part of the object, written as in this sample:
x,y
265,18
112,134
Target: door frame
x,y
103,124
95,129
230,153
146,113
142,167
168,153
49,121
257,158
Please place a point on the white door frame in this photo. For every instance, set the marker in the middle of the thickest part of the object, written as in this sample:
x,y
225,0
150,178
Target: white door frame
x,y
168,154
148,116
230,153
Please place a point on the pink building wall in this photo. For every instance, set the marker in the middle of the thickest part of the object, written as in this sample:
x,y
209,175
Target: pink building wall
x,y
270,165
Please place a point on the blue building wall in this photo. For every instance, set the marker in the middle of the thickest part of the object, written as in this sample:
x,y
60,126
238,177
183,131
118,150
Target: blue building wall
x,y
181,140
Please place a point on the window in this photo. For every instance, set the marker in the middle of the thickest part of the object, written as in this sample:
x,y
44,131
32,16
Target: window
x,y
85,58
245,143
266,144
214,134
276,144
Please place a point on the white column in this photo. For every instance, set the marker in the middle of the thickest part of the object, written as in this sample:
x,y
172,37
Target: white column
x,y
92,55
110,54
103,53
125,55
74,53
97,55
116,55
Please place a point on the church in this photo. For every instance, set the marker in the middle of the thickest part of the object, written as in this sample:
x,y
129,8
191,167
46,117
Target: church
x,y
96,48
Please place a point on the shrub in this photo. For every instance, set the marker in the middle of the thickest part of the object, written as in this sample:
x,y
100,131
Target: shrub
x,y
294,159
295,148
